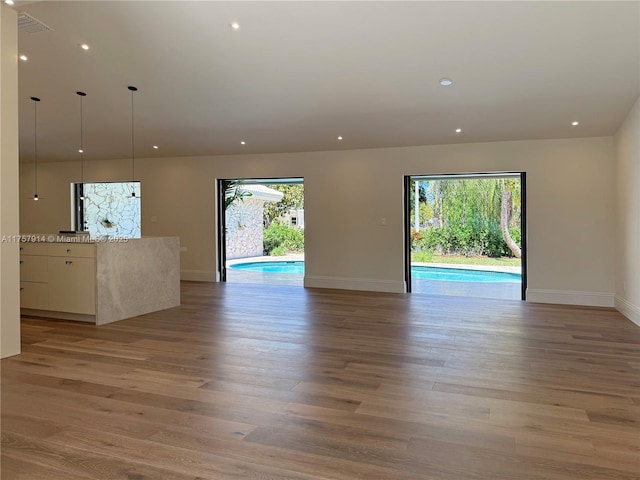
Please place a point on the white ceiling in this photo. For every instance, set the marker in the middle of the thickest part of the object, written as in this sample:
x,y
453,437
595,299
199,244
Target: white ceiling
x,y
298,74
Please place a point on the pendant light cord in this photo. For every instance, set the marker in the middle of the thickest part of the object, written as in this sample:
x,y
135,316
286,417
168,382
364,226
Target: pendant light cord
x,y
81,140
35,146
133,148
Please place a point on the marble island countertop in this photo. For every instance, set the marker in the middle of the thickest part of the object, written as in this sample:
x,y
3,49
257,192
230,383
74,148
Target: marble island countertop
x,y
98,280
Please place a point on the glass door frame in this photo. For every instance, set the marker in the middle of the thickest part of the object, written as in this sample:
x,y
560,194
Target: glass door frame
x,y
461,176
221,264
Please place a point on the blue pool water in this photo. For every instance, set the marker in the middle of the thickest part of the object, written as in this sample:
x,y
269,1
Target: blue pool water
x,y
462,275
271,267
417,272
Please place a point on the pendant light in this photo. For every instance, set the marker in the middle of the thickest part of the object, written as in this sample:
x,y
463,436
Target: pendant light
x,y
81,150
35,147
133,150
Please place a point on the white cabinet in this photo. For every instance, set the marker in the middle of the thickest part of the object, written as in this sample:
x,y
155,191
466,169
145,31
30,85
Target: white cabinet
x,y
58,277
100,281
72,285
72,250
34,295
33,282
33,269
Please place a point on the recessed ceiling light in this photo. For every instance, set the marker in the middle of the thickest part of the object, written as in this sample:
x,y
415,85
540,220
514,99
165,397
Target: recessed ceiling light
x,y
575,124
24,58
84,46
243,142
445,82
235,25
155,147
9,2
458,130
80,151
339,138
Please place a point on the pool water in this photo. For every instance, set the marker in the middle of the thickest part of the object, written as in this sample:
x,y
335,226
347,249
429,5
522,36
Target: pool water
x,y
417,272
271,267
462,275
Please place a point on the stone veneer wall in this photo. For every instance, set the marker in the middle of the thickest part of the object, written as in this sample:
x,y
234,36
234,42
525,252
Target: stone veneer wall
x,y
112,201
244,229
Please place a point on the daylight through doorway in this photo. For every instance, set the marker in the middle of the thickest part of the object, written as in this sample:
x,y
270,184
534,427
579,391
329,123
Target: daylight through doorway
x,y
466,235
261,231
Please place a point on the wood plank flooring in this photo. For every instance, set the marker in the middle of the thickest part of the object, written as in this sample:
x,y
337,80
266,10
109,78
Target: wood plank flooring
x,y
276,382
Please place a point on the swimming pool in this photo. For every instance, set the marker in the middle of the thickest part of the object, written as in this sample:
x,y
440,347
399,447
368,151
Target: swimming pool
x,y
462,275
417,272
271,267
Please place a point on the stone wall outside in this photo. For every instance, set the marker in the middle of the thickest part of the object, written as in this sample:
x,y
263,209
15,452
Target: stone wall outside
x,y
244,229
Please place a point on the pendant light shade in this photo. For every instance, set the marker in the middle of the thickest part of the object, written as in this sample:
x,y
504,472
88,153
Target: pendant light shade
x,y
35,147
133,144
81,150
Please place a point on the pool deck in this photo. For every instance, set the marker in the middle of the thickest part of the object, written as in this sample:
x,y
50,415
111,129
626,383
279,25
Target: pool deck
x,y
497,290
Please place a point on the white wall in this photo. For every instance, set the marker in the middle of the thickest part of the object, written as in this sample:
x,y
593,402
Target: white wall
x,y
570,204
9,253
627,149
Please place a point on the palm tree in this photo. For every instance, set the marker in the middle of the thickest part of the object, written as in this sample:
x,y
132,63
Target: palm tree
x,y
233,192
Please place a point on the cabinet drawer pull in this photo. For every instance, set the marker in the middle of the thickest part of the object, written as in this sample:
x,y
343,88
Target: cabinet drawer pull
x,y
68,262
21,288
21,262
68,250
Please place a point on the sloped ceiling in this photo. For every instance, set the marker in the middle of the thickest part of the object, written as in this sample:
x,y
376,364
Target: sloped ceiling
x,y
296,75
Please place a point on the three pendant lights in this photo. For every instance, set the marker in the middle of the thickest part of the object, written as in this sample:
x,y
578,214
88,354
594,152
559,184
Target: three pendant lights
x,y
81,149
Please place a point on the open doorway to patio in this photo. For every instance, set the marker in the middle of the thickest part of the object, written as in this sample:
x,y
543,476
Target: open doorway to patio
x,y
261,230
466,235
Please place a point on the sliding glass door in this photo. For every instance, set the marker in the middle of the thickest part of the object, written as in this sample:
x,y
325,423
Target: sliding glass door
x,y
466,234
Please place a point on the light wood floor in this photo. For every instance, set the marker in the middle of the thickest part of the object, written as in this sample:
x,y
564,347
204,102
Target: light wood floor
x,y
275,382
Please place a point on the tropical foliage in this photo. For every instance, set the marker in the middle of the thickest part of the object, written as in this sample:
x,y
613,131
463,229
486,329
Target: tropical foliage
x,y
293,198
233,192
470,217
279,239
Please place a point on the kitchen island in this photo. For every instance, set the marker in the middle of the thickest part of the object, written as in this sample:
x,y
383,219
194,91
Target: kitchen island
x,y
98,280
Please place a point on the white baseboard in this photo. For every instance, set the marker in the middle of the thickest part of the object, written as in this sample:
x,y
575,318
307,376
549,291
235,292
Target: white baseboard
x,y
198,275
565,297
363,284
628,309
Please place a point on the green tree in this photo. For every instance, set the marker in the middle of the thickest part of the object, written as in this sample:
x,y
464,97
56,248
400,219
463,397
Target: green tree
x,y
281,239
474,216
422,191
293,198
422,199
